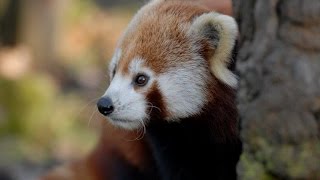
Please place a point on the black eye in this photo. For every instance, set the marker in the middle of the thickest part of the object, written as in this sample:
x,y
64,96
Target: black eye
x,y
141,80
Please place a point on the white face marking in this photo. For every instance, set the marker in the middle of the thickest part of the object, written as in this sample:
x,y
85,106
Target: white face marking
x,y
135,65
183,90
183,86
130,106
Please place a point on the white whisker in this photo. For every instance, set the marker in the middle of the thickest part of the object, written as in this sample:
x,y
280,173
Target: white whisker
x,y
93,113
149,104
142,131
85,106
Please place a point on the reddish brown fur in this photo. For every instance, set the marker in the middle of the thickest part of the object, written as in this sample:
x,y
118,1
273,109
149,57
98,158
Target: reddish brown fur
x,y
154,95
155,48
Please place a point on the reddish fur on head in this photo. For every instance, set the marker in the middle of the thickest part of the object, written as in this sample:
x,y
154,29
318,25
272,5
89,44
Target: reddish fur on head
x,y
177,45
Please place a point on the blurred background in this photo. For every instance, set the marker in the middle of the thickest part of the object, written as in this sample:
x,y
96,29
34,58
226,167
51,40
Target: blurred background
x,y
53,67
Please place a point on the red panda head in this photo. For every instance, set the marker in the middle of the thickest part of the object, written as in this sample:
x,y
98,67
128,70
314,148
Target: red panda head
x,y
168,58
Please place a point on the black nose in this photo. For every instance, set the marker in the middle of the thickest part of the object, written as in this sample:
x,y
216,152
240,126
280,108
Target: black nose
x,y
105,106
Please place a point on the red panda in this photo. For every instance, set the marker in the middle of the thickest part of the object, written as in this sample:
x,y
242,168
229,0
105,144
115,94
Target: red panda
x,y
170,77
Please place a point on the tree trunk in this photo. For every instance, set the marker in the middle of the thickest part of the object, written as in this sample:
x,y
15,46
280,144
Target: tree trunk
x,y
279,93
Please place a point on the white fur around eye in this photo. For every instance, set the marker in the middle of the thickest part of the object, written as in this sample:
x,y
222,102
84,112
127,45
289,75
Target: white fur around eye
x,y
129,105
137,66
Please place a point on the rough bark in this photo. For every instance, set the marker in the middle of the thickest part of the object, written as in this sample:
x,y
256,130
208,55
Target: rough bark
x,y
279,93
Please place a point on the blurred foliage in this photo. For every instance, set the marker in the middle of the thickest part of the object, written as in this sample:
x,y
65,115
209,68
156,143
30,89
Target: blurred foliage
x,y
39,119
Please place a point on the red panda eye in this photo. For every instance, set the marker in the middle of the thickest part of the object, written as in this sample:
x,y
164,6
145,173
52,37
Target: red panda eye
x,y
141,80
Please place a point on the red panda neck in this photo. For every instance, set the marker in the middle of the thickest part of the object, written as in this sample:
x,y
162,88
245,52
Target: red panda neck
x,y
205,146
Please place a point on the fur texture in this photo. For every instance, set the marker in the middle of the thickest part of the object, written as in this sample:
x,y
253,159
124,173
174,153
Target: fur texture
x,y
224,41
179,45
187,107
188,104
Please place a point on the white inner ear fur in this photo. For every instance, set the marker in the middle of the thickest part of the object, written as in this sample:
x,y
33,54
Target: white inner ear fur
x,y
227,30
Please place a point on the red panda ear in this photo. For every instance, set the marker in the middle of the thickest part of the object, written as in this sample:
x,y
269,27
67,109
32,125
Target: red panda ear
x,y
221,31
